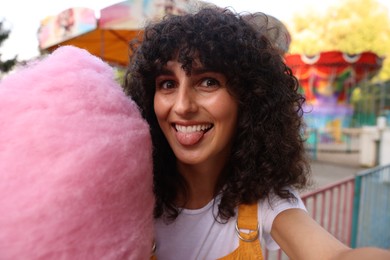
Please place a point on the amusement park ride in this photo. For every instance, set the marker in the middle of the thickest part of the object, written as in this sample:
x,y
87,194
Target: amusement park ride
x,y
109,35
327,79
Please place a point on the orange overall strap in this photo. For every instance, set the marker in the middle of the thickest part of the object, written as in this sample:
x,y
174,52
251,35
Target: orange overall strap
x,y
247,216
249,243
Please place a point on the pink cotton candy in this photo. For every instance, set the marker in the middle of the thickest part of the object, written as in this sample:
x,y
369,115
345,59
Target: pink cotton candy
x,y
75,163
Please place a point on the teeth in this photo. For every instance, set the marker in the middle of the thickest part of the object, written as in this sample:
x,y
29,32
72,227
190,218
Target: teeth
x,y
192,128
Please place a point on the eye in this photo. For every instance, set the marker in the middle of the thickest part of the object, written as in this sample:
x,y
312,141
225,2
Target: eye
x,y
210,82
165,84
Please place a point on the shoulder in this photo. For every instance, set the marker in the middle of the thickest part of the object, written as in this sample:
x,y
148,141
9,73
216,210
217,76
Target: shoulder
x,y
272,205
269,208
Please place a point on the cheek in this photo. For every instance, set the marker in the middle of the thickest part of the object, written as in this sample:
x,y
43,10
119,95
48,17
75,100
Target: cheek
x,y
232,114
226,109
231,117
159,107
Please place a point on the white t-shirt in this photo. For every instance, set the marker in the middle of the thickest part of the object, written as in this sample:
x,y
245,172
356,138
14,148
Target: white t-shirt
x,y
195,234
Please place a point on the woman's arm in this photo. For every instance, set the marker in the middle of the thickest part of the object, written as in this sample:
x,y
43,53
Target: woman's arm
x,y
301,237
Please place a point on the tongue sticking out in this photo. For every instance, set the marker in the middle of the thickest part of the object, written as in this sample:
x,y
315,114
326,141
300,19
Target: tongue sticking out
x,y
189,138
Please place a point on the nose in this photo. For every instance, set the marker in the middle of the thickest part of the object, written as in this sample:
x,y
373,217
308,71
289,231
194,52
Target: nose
x,y
185,102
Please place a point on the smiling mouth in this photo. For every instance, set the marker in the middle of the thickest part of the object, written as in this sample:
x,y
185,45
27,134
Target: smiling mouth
x,y
193,128
191,135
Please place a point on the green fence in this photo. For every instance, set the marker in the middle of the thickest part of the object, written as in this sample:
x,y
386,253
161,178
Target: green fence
x,y
371,216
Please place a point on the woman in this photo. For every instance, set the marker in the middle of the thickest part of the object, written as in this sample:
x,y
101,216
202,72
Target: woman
x,y
226,120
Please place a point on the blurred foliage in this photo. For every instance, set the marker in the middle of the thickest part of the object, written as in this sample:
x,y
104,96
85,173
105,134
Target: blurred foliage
x,y
120,74
351,26
6,65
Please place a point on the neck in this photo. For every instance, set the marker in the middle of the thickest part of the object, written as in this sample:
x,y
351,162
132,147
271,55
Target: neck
x,y
202,181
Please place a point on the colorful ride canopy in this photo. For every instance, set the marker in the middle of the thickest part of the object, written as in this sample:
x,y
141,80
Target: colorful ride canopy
x,y
107,37
329,77
327,81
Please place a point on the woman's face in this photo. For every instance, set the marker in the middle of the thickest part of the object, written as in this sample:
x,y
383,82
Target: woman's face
x,y
196,113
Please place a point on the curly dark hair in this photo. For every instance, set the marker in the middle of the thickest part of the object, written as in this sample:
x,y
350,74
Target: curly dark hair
x,y
268,148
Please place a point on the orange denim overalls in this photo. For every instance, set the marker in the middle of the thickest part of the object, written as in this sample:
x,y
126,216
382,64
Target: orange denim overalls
x,y
249,247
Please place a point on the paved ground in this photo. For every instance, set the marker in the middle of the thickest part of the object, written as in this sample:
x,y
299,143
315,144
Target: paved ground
x,y
331,167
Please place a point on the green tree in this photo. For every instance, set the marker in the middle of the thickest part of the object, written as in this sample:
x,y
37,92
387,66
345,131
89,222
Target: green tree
x,y
351,26
6,65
